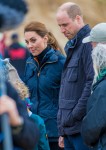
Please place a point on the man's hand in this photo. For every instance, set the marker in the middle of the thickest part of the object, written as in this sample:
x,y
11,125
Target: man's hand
x,y
61,142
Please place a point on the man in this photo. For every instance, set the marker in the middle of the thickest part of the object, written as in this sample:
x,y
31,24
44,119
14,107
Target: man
x,y
97,35
77,76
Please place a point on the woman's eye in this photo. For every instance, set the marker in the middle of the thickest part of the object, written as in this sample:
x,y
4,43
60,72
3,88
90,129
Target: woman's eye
x,y
26,42
33,40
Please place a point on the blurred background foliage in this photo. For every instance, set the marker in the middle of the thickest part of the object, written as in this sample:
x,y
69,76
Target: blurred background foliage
x,y
94,12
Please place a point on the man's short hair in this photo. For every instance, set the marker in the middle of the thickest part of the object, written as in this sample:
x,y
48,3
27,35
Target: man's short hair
x,y
73,11
97,34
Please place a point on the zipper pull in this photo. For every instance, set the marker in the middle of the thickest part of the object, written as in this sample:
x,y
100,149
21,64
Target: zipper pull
x,y
38,74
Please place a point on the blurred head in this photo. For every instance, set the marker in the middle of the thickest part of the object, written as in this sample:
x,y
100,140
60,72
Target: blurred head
x,y
97,35
99,58
69,18
12,13
14,37
37,37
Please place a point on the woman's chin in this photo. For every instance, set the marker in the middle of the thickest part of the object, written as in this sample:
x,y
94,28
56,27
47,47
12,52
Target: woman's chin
x,y
34,54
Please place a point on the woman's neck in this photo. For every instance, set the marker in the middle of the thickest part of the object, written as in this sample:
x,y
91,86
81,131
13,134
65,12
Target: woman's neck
x,y
42,54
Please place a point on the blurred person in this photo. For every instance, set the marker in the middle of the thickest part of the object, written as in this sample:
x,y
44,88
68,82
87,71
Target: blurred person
x,y
77,76
17,53
43,75
24,94
94,123
24,132
97,35
2,44
23,128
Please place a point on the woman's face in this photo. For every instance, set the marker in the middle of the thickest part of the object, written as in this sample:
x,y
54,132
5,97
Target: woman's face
x,y
35,43
94,44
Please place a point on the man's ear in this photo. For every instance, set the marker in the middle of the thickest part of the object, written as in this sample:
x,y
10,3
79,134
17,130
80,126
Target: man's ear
x,y
78,19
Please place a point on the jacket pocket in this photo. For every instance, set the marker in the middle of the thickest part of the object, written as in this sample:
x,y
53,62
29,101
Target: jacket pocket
x,y
72,70
66,107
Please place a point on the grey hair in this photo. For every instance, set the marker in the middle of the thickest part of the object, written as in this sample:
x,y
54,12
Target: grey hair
x,y
99,58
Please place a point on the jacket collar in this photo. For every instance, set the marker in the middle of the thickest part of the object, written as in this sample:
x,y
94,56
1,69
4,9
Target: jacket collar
x,y
50,56
96,84
78,38
83,32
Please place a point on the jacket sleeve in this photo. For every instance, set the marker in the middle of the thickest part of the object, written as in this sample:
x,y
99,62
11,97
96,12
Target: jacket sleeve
x,y
80,109
94,123
27,138
43,143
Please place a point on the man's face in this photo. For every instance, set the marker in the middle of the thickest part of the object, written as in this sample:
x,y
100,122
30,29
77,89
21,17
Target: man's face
x,y
67,26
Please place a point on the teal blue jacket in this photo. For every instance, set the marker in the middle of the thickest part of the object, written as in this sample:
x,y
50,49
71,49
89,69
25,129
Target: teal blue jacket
x,y
43,140
43,82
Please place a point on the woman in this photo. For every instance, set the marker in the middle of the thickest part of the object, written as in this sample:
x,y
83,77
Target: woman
x,y
94,123
43,75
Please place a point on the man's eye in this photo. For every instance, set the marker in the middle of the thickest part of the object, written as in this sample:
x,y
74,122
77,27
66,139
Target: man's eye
x,y
64,25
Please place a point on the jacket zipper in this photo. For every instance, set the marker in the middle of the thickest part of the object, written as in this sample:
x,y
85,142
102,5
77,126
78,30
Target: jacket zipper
x,y
43,66
38,78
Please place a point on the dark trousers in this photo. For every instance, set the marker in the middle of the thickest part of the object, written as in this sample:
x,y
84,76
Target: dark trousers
x,y
74,142
54,146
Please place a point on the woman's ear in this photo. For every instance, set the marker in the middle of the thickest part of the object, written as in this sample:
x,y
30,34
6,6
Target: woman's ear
x,y
46,38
